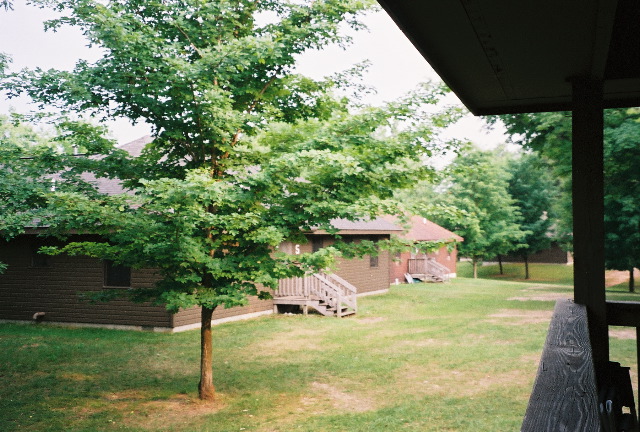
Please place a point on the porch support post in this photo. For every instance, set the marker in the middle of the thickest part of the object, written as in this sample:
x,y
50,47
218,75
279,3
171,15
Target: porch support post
x,y
588,212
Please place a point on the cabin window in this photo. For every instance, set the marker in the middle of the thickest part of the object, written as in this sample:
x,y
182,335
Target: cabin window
x,y
316,244
116,275
373,259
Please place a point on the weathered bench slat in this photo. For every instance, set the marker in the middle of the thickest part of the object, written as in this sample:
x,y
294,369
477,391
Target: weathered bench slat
x,y
564,396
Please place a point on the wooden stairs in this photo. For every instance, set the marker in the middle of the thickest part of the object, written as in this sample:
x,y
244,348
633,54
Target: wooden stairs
x,y
328,294
426,270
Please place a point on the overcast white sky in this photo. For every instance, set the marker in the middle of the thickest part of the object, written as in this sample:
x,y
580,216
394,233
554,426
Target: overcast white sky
x,y
396,66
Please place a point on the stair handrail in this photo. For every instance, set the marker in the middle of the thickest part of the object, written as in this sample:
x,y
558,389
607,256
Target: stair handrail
x,y
348,290
333,290
428,266
339,296
436,269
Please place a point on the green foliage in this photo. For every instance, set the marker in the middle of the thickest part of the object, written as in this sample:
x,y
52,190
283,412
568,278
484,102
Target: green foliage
x,y
550,134
212,238
490,223
535,194
246,154
34,165
622,186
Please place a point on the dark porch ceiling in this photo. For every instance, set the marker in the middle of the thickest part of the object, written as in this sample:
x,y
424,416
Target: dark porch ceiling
x,y
506,56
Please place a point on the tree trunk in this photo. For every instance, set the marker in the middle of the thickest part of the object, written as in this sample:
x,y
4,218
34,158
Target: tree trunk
x,y
206,391
500,264
475,268
632,287
526,266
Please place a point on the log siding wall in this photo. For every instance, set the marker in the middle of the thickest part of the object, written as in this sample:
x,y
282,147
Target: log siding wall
x,y
55,289
358,271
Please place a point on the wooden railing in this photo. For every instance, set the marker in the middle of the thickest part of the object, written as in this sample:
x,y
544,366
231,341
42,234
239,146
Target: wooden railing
x,y
348,292
328,288
428,266
565,395
572,394
626,314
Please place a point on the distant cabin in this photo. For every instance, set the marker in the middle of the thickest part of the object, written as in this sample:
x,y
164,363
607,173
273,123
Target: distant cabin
x,y
51,289
436,266
554,254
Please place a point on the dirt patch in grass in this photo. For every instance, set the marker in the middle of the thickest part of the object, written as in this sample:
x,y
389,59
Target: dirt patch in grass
x,y
531,358
294,340
623,333
426,342
458,383
520,317
370,320
616,277
538,296
162,414
327,397
126,395
77,377
183,405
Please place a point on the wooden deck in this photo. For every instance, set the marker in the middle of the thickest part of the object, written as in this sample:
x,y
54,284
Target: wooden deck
x,y
427,270
328,294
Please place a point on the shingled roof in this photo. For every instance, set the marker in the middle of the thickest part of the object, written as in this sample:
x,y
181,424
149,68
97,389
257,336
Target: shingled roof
x,y
114,186
363,227
422,229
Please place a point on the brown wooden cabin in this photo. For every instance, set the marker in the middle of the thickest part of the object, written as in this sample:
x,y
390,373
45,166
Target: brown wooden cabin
x,y
49,288
39,288
507,57
554,254
436,266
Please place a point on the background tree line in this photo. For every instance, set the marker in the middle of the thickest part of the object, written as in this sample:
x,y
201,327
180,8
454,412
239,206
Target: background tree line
x,y
500,202
549,134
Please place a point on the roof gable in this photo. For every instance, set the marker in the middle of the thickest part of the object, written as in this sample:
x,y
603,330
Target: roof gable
x,y
422,229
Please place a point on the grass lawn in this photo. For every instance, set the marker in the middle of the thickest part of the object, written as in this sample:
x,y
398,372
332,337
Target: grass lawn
x,y
460,356
538,273
557,274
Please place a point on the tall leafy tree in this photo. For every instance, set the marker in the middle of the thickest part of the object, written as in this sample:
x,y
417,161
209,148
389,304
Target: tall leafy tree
x,y
246,153
478,186
622,186
535,193
33,164
550,134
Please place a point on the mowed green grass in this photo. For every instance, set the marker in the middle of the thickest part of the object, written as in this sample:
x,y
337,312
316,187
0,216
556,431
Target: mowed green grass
x,y
460,356
557,274
538,273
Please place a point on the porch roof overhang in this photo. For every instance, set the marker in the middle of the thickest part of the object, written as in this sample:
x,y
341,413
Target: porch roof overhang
x,y
502,56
